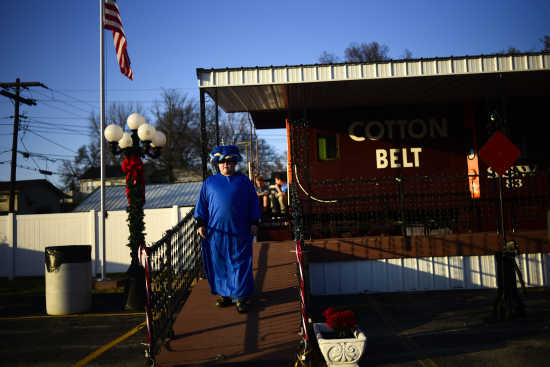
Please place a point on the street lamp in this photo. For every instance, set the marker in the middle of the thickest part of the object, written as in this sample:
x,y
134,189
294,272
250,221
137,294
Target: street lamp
x,y
144,140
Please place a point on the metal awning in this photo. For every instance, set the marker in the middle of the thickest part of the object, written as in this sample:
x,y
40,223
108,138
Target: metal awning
x,y
268,93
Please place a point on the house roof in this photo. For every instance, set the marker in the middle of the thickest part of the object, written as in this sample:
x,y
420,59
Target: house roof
x,y
23,184
268,93
156,196
95,172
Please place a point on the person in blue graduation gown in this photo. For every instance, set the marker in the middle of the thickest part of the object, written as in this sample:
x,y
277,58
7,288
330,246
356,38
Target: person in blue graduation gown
x,y
227,215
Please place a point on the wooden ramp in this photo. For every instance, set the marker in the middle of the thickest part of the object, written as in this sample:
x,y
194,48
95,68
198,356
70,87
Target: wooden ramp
x,y
266,336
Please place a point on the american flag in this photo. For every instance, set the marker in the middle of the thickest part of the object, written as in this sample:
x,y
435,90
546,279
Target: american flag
x,y
112,21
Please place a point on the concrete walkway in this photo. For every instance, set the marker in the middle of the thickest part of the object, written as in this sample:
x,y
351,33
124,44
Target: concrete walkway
x,y
266,335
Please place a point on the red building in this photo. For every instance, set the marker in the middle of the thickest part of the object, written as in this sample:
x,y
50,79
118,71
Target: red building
x,y
388,152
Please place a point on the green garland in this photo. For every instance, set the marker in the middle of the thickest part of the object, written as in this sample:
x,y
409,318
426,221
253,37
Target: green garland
x,y
135,221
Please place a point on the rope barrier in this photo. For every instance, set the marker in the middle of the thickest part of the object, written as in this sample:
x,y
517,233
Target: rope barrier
x,y
144,261
303,357
305,192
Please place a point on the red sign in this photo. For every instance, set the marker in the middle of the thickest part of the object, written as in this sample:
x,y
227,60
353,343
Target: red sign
x,y
499,153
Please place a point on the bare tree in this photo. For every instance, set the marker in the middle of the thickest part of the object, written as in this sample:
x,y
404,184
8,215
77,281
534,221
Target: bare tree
x,y
177,116
328,58
511,51
366,52
545,42
407,54
87,156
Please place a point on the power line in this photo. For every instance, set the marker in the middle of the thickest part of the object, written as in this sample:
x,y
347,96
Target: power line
x,y
63,127
127,90
48,131
76,99
108,101
51,141
57,117
49,155
35,164
60,109
44,157
44,172
62,101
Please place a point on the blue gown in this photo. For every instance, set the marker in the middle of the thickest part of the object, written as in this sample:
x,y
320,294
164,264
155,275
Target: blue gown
x,y
229,205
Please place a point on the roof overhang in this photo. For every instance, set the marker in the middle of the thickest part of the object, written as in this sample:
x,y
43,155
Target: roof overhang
x,y
268,93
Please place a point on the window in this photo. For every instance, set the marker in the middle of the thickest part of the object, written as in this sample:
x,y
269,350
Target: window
x,y
327,147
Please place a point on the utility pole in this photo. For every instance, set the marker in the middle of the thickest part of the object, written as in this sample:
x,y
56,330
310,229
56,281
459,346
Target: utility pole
x,y
31,102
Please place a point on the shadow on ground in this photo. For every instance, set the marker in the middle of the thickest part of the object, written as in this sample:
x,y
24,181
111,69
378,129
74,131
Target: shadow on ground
x,y
449,327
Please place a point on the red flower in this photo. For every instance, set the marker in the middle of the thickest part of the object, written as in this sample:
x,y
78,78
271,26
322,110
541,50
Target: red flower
x,y
329,311
342,322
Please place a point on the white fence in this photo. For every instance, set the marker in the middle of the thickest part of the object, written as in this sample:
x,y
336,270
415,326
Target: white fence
x,y
421,274
23,238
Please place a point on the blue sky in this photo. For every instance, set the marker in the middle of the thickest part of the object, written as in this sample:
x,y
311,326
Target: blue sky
x,y
57,43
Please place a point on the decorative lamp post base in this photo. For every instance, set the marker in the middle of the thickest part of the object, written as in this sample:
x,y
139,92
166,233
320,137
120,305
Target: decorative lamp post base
x,y
345,352
134,289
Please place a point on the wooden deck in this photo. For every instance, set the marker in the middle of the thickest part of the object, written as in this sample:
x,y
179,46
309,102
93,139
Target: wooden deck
x,y
267,335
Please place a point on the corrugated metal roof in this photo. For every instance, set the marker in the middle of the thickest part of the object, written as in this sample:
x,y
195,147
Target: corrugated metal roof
x,y
269,92
156,196
291,74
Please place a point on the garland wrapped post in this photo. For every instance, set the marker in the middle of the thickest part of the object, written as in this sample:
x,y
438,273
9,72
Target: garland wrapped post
x,y
143,141
135,192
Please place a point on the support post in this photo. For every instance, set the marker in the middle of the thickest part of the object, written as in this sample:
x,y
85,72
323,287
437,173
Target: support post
x,y
14,148
217,119
204,141
101,138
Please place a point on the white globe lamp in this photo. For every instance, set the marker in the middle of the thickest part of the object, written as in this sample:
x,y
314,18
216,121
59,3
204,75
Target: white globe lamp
x,y
146,132
113,133
159,139
125,141
135,120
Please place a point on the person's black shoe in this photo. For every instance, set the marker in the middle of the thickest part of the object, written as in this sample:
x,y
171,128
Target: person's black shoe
x,y
242,307
223,301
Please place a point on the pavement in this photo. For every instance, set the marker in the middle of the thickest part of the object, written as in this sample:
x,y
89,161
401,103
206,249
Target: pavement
x,y
447,328
105,336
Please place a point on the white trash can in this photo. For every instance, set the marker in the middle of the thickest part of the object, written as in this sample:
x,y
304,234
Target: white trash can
x,y
68,279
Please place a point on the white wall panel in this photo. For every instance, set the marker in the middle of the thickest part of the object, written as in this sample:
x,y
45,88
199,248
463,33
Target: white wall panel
x,y
116,237
364,276
380,276
441,273
410,274
35,232
429,273
349,282
425,273
333,276
472,272
488,271
5,247
456,272
394,271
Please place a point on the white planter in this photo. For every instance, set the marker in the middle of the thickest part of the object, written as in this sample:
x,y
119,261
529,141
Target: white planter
x,y
340,352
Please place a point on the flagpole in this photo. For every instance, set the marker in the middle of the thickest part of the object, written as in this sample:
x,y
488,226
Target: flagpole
x,y
101,139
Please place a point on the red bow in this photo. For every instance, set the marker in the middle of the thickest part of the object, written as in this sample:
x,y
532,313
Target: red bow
x,y
133,167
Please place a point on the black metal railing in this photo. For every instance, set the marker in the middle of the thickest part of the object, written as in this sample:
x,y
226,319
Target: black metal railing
x,y
173,264
419,205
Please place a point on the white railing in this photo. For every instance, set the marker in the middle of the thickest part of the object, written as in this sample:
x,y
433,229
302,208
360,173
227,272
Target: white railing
x,y
23,238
